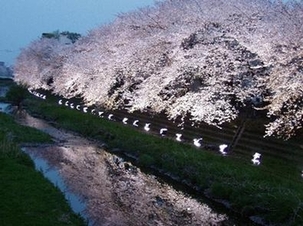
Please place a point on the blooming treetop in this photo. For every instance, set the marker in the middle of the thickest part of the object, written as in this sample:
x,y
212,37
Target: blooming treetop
x,y
199,58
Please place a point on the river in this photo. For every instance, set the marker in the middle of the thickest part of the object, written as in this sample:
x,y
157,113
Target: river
x,y
108,190
113,191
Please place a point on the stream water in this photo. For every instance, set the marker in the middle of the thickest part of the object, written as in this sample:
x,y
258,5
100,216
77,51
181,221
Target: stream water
x,y
108,190
52,174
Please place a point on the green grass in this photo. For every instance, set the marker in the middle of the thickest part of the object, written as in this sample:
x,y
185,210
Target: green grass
x,y
27,198
14,132
274,190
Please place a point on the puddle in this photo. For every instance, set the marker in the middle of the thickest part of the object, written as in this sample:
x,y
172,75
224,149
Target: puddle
x,y
77,205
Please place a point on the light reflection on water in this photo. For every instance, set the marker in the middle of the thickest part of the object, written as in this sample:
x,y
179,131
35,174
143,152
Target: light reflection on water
x,y
114,194
75,202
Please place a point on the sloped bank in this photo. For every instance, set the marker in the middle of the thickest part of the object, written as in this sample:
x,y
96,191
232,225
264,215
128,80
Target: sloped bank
x,y
253,192
26,197
115,191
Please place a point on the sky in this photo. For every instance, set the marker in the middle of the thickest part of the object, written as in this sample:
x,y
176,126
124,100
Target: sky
x,y
22,21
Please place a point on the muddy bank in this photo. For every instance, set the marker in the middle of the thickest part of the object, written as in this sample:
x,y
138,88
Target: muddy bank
x,y
114,191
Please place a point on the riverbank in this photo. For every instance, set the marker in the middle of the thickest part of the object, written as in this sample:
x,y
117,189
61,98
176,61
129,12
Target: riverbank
x,y
114,191
270,194
27,198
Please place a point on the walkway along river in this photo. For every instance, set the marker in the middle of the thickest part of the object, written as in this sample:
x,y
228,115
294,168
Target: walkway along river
x,y
115,192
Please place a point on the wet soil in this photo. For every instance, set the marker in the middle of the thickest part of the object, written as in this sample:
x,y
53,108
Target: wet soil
x,y
116,192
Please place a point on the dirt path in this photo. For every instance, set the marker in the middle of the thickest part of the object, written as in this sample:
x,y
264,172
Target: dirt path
x,y
115,192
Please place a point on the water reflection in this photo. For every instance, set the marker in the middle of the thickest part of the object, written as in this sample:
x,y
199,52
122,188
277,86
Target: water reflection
x,y
114,191
77,205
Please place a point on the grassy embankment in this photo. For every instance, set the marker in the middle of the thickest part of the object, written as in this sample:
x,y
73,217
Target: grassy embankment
x,y
27,198
272,191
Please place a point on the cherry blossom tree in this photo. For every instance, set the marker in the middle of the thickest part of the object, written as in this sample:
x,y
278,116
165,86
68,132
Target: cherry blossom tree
x,y
39,64
201,59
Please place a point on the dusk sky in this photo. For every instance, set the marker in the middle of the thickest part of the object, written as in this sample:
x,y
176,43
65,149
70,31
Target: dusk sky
x,y
22,21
